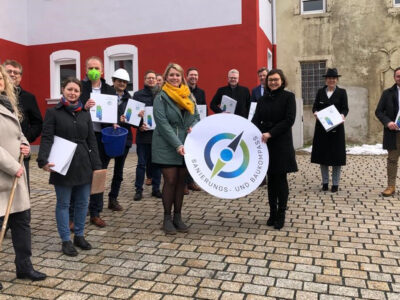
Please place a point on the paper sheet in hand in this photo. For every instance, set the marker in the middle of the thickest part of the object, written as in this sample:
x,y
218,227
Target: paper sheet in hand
x,y
61,154
132,110
98,181
106,108
398,119
202,110
329,117
252,110
149,118
228,104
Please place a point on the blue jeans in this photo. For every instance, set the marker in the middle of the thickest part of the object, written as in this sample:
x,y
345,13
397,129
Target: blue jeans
x,y
80,196
144,157
335,174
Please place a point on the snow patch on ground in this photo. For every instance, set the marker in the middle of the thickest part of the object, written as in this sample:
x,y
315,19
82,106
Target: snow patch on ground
x,y
359,150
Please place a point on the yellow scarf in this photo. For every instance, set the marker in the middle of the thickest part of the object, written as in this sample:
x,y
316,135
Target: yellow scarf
x,y
180,95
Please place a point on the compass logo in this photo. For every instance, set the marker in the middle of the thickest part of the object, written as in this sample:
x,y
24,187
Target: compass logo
x,y
226,155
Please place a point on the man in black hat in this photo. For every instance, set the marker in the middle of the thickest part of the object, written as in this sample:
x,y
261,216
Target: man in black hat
x,y
387,112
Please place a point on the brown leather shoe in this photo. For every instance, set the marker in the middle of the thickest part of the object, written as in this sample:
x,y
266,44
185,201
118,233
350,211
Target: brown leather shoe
x,y
99,222
71,226
148,181
389,191
194,187
186,190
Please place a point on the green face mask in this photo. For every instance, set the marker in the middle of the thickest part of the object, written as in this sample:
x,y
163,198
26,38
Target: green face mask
x,y
93,74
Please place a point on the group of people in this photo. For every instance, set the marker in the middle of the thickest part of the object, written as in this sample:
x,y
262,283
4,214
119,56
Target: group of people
x,y
174,99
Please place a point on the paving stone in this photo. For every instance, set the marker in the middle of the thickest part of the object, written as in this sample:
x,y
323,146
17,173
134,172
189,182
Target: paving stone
x,y
342,246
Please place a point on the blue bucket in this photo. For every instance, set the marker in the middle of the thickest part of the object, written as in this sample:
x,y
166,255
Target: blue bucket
x,y
114,140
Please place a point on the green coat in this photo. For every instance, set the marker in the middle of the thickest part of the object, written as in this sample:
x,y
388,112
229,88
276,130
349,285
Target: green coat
x,y
171,130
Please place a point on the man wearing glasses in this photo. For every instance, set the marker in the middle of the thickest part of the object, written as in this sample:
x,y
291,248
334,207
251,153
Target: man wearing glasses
x,y
31,123
144,138
233,90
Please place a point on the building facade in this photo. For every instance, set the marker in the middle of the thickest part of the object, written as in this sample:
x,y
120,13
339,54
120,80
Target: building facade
x,y
52,39
358,37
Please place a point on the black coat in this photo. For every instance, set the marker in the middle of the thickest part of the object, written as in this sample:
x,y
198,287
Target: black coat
x,y
32,122
145,96
77,128
275,113
240,93
199,95
386,112
329,148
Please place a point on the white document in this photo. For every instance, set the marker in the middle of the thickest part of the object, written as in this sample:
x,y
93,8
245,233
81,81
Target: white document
x,y
252,110
149,118
132,110
329,117
202,110
398,120
106,108
228,104
61,154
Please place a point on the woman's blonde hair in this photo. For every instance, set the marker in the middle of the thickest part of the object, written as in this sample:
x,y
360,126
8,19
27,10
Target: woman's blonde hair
x,y
176,67
9,91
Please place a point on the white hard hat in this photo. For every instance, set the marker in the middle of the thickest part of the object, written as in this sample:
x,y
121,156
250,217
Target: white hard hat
x,y
121,74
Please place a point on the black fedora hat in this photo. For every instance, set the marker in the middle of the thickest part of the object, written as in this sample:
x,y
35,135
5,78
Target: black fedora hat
x,y
331,73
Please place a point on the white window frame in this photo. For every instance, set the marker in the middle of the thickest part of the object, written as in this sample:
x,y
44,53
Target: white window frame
x,y
58,58
121,52
312,11
270,59
396,4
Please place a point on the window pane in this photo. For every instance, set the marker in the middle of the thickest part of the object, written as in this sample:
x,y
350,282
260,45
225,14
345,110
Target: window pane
x,y
127,65
311,79
311,5
396,1
67,71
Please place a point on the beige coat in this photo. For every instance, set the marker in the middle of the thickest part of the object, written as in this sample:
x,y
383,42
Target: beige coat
x,y
11,138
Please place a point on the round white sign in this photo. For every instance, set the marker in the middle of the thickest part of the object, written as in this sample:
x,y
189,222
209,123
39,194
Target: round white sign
x,y
225,156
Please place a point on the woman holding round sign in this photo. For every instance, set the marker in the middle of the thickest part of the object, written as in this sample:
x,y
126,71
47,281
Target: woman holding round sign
x,y
329,147
175,114
274,116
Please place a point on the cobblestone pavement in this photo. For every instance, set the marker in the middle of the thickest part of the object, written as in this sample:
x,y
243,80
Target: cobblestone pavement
x,y
334,246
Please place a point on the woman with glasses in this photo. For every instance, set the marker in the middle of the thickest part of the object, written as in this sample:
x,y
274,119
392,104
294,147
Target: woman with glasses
x,y
274,116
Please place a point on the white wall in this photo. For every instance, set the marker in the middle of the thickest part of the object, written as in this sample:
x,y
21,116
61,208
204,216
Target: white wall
x,y
265,15
13,21
52,21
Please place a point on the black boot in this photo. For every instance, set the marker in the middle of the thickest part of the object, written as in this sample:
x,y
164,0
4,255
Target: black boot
x,y
178,223
272,215
280,220
168,227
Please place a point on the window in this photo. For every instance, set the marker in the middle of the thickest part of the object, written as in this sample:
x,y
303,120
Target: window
x,y
312,6
311,79
396,2
63,63
122,56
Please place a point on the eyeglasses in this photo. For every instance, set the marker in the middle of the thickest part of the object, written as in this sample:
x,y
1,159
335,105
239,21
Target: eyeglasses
x,y
15,72
273,79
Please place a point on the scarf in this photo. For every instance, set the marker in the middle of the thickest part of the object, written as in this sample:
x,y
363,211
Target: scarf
x,y
180,95
6,103
72,107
